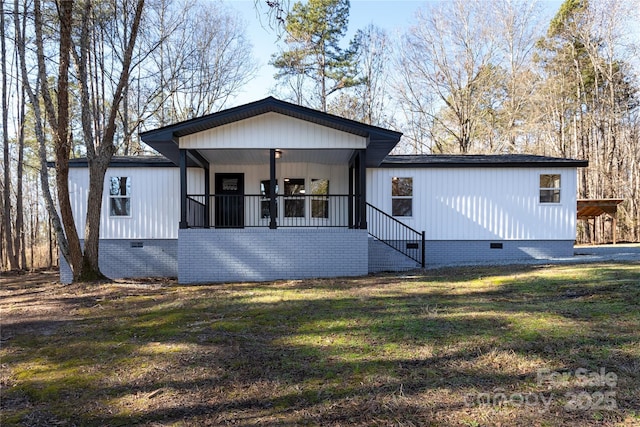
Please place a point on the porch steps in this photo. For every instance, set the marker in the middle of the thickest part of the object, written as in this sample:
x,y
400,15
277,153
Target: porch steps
x,y
382,257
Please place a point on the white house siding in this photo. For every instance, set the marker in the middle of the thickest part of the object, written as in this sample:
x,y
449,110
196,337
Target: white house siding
x,y
155,207
155,194
272,130
481,203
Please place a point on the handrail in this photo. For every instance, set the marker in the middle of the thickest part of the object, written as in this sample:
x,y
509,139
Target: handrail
x,y
396,234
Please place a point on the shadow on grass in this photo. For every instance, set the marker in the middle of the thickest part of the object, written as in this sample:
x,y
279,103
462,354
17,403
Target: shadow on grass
x,y
377,350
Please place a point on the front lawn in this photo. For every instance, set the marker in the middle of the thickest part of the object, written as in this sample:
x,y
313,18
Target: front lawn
x,y
527,346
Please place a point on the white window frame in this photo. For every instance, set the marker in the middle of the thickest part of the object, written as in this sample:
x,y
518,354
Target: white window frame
x,y
550,190
113,196
301,196
401,197
319,197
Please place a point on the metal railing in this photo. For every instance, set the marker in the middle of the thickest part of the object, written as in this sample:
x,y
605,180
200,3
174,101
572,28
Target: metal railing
x,y
396,234
238,211
195,212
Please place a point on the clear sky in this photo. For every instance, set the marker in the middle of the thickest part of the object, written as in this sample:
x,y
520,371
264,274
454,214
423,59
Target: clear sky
x,y
393,16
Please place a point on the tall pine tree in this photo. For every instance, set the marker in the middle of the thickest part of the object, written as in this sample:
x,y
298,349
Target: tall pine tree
x,y
313,33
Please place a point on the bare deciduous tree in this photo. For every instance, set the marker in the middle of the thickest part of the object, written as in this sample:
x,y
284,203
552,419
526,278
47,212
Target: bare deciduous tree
x,y
367,101
591,96
445,64
8,243
194,57
101,82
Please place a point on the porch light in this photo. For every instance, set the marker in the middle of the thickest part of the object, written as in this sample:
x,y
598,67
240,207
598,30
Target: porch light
x,y
278,154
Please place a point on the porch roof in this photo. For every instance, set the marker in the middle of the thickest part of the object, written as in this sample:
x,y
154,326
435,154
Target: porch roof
x,y
165,139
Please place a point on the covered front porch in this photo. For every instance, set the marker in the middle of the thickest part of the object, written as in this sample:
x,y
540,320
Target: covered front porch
x,y
300,215
297,188
272,190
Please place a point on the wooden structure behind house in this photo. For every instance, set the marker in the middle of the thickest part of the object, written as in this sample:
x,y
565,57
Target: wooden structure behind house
x,y
590,209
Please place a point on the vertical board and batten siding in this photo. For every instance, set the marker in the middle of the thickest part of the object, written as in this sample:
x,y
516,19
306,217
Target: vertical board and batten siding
x,y
481,203
272,130
155,207
155,194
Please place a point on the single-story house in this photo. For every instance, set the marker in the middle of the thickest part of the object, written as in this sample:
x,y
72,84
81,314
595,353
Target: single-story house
x,y
272,190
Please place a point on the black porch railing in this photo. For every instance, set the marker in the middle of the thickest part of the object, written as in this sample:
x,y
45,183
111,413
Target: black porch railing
x,y
396,234
196,212
239,211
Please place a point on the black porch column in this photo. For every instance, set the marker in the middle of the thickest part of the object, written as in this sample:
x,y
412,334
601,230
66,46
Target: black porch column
x,y
273,209
183,189
356,189
362,188
207,197
350,199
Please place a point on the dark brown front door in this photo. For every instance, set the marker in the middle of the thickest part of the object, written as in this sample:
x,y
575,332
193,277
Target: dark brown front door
x,y
229,200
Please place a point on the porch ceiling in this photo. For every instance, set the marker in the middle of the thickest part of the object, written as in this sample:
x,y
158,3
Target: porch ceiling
x,y
261,157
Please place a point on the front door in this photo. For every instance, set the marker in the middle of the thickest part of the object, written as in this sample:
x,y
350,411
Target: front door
x,y
229,200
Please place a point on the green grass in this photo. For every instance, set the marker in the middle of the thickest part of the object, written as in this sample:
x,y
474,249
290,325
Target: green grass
x,y
421,349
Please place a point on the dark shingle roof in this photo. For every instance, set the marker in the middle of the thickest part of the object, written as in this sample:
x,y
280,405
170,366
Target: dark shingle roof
x,y
127,162
400,161
478,160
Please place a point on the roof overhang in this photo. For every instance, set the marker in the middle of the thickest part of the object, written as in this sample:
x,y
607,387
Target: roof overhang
x,y
479,161
380,141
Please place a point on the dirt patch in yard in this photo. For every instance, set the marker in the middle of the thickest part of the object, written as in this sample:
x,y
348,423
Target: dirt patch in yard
x,y
36,303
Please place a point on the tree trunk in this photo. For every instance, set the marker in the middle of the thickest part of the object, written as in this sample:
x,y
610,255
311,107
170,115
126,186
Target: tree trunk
x,y
8,241
63,145
19,243
38,126
90,261
99,155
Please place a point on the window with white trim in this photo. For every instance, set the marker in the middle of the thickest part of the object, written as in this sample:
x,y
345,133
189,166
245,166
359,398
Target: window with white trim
x,y
119,196
401,196
550,188
319,199
294,197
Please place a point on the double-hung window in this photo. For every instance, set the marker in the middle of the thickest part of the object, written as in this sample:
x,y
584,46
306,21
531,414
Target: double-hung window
x,y
401,196
550,188
120,196
294,196
320,199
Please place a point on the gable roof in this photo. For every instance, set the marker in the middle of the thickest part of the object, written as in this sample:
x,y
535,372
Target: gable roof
x,y
478,160
164,140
